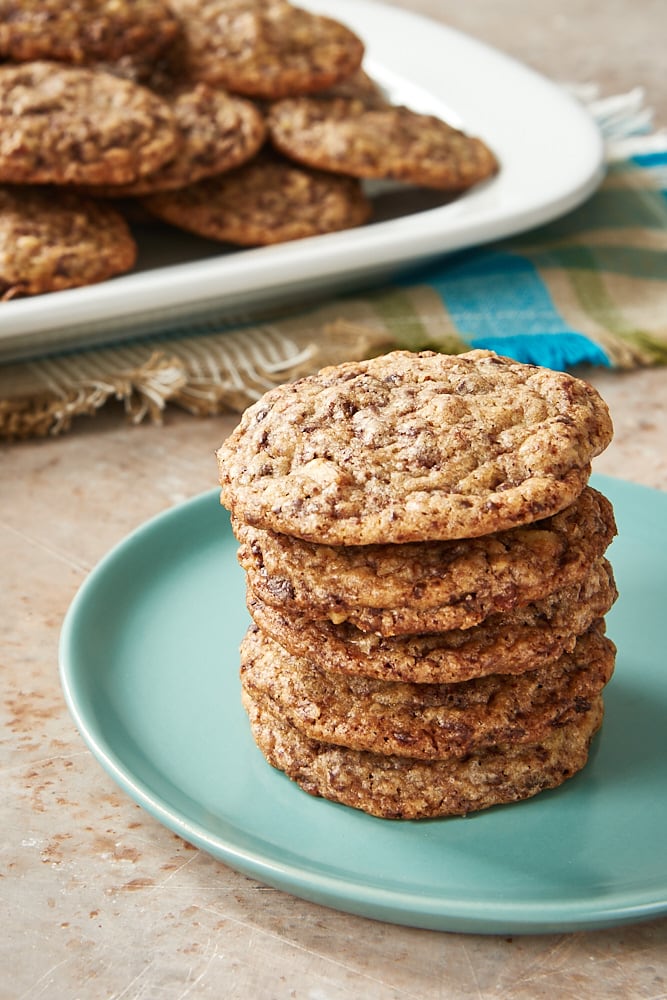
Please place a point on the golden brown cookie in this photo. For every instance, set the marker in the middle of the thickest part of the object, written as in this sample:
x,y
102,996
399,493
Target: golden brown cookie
x,y
83,31
395,787
348,136
509,643
218,131
262,202
54,240
393,588
426,721
413,447
75,125
265,49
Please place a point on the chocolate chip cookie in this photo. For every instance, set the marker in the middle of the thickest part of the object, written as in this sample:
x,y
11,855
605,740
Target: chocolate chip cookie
x,y
83,31
264,201
266,50
413,447
509,643
351,136
390,588
393,787
217,131
426,721
75,125
51,241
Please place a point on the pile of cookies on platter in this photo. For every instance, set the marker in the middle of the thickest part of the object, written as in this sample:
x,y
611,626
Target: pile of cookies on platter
x,y
426,575
245,121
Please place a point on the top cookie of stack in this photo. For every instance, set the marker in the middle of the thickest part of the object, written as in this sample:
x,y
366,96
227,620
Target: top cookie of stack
x,y
413,447
426,577
249,122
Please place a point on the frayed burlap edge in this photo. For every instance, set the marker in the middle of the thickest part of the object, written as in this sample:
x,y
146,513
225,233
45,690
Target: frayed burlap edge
x,y
204,375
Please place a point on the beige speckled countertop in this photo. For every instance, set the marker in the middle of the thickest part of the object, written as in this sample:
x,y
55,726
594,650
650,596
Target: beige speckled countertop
x,y
98,900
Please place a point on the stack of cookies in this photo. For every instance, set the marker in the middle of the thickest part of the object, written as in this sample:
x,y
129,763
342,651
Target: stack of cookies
x,y
426,573
242,121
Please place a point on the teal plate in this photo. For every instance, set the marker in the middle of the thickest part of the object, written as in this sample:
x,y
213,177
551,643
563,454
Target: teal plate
x,y
149,667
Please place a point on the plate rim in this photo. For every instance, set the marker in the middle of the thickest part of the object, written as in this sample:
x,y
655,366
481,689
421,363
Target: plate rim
x,y
118,309
402,907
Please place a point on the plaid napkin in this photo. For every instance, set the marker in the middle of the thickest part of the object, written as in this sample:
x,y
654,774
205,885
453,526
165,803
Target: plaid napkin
x,y
587,289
